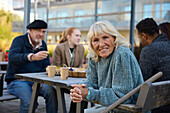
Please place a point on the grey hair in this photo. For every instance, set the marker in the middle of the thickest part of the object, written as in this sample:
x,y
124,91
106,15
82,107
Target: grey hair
x,y
104,27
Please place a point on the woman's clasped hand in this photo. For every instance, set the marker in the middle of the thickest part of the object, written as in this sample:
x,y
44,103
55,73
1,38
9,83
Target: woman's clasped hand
x,y
78,93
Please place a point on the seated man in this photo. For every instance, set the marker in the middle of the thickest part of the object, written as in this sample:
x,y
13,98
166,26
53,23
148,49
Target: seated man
x,y
155,56
28,54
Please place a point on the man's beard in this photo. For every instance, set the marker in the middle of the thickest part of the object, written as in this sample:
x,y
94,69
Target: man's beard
x,y
37,41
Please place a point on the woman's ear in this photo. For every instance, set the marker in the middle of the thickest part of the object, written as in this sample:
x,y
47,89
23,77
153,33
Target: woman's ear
x,y
68,37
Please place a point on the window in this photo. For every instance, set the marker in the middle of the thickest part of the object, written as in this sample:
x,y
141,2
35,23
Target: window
x,y
127,15
157,11
78,13
165,10
147,11
63,14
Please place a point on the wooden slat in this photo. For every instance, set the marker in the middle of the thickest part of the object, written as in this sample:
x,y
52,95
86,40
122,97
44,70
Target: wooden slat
x,y
7,96
130,107
159,96
161,93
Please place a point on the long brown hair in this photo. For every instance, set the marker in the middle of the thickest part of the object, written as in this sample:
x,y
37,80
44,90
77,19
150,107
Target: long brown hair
x,y
165,28
65,33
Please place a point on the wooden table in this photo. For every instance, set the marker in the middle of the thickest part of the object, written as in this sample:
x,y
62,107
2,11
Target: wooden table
x,y
3,63
42,77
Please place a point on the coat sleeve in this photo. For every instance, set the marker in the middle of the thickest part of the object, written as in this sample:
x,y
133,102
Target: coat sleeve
x,y
126,76
57,56
16,56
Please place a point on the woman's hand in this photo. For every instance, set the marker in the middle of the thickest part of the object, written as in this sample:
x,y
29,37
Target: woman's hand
x,y
75,95
78,93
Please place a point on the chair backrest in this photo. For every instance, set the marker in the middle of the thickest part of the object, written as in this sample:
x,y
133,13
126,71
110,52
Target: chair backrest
x,y
153,95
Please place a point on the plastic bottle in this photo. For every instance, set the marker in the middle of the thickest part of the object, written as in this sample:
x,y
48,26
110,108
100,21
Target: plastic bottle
x,y
6,56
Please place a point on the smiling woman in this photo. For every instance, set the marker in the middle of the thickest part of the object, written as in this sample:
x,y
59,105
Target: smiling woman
x,y
104,34
112,71
103,45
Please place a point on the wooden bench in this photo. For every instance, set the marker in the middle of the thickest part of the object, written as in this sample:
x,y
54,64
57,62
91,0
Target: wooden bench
x,y
6,95
151,95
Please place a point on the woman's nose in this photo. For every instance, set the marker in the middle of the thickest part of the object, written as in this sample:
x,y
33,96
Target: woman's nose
x,y
101,43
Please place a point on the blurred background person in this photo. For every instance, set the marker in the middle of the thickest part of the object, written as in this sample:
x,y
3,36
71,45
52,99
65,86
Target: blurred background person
x,y
165,28
28,54
70,52
155,56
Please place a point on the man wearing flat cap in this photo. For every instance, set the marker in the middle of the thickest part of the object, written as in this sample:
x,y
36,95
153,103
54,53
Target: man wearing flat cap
x,y
28,54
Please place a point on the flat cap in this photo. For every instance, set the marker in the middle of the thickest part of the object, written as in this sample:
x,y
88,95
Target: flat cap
x,y
37,24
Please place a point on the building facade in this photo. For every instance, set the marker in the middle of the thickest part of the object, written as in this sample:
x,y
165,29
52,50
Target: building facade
x,y
83,13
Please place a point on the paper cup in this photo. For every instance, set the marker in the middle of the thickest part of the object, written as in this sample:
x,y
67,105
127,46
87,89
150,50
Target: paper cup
x,y
51,70
64,73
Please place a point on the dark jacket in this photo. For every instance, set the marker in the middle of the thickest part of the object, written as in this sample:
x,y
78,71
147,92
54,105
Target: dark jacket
x,y
18,61
156,57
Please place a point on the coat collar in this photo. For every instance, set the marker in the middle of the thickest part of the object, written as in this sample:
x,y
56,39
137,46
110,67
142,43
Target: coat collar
x,y
160,37
66,48
67,53
27,43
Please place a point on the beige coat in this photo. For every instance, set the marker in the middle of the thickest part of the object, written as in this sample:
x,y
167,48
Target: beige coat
x,y
61,55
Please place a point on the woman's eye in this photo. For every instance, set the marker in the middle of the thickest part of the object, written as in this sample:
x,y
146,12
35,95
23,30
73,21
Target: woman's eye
x,y
105,37
95,40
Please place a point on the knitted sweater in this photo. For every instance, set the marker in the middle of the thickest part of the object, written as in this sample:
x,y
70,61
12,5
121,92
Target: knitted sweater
x,y
156,57
111,78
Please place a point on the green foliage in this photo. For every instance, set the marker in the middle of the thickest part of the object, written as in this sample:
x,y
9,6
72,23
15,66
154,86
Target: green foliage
x,y
85,53
51,49
6,34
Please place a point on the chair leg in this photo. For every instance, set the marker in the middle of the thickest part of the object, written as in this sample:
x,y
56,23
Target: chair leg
x,y
92,104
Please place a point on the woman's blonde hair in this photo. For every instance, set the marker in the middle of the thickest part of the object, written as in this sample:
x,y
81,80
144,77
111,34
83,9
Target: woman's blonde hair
x,y
65,33
104,27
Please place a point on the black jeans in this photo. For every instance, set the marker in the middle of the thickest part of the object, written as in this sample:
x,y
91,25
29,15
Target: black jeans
x,y
73,106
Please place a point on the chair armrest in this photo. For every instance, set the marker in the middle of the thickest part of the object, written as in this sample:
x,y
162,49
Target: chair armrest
x,y
129,107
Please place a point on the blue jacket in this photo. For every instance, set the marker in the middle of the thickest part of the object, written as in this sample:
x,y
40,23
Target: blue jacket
x,y
18,61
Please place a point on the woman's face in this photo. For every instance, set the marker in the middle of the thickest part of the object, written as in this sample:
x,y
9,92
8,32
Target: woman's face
x,y
75,37
103,45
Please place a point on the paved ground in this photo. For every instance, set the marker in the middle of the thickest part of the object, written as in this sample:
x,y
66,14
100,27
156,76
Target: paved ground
x,y
13,105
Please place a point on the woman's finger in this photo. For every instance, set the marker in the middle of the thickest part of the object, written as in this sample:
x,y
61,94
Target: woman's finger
x,y
76,89
75,97
75,85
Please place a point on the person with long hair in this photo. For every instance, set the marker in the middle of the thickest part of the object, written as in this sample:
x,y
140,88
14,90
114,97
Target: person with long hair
x,y
165,28
70,52
112,72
